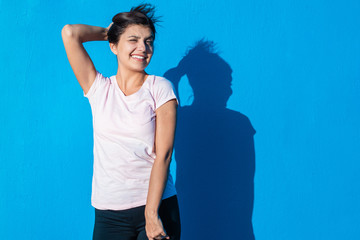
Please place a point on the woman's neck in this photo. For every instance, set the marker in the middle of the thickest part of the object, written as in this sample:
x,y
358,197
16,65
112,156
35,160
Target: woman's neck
x,y
130,81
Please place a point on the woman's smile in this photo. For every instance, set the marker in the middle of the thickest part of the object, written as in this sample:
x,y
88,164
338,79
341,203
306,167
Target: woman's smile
x,y
137,57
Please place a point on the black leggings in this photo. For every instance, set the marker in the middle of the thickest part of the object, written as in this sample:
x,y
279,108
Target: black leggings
x,y
130,224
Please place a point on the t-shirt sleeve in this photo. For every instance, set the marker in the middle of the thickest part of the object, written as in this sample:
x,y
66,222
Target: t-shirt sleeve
x,y
99,79
163,92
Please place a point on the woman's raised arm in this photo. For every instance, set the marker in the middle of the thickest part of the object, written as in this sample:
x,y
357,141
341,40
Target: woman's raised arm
x,y
73,37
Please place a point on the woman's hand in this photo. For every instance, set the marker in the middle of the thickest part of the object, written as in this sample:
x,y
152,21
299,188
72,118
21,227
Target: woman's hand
x,y
154,228
109,26
107,30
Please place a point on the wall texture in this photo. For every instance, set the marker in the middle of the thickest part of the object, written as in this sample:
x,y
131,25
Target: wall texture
x,y
287,70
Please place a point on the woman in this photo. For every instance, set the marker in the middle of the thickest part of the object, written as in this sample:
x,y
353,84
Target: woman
x,y
134,118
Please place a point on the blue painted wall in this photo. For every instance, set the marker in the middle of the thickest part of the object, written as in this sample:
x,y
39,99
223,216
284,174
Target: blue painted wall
x,y
294,72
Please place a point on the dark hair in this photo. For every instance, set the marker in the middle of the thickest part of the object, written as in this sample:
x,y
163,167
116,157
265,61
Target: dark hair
x,y
142,14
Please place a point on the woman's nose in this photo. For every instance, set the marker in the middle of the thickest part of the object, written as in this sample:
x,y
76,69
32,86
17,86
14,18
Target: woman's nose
x,y
141,46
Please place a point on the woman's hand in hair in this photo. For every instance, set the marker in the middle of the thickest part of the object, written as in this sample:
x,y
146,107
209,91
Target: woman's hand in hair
x,y
109,26
107,30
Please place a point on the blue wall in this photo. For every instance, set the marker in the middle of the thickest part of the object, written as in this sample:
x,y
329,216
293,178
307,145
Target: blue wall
x,y
294,72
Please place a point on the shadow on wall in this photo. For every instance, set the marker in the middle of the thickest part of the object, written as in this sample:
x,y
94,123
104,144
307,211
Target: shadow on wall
x,y
214,152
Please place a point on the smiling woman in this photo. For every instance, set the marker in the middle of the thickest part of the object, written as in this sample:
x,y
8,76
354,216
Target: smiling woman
x,y
133,50
134,118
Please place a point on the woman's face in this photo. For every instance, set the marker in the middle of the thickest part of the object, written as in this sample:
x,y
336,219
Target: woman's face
x,y
135,48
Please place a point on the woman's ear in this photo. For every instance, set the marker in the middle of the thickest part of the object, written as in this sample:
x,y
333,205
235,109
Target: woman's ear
x,y
113,48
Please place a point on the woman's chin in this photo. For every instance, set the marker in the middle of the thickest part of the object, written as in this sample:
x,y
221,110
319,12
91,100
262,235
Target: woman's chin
x,y
139,68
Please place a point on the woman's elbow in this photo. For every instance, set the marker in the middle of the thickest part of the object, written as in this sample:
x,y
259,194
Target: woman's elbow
x,y
67,31
166,157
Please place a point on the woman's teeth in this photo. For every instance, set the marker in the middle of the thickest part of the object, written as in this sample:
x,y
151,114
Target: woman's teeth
x,y
138,57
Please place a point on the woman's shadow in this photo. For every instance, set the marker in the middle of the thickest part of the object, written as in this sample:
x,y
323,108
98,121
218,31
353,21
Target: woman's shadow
x,y
214,152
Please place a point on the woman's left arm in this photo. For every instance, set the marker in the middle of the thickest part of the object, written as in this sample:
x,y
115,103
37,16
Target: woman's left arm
x,y
164,141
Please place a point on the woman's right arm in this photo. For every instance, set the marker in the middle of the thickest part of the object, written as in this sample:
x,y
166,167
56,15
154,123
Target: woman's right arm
x,y
73,37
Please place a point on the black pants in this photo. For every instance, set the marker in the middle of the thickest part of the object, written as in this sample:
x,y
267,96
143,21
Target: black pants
x,y
130,224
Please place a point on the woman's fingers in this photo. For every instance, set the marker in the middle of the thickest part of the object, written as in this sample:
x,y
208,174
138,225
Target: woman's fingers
x,y
158,234
154,229
162,236
109,26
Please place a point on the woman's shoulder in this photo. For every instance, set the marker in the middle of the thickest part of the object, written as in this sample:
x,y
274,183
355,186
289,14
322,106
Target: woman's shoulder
x,y
159,81
162,90
100,84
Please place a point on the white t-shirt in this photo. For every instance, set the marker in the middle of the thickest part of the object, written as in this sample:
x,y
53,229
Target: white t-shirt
x,y
124,131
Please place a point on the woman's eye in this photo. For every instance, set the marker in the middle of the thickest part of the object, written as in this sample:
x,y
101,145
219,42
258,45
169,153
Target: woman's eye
x,y
132,40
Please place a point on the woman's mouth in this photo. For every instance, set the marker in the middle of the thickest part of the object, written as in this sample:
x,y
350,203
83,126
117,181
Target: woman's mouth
x,y
138,57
